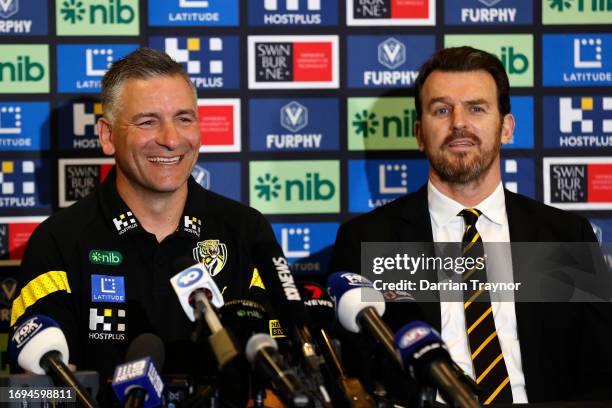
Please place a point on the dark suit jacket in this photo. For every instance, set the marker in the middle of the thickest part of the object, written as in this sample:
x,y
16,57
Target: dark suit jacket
x,y
566,348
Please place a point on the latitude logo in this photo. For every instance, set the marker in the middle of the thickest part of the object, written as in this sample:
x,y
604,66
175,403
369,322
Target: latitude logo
x,y
294,116
391,53
8,8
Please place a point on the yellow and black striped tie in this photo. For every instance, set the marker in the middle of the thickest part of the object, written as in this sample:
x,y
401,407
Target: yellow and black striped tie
x,y
489,366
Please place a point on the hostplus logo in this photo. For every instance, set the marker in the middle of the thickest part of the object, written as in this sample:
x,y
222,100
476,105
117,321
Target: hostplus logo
x,y
107,324
295,12
110,17
210,62
582,122
291,187
84,119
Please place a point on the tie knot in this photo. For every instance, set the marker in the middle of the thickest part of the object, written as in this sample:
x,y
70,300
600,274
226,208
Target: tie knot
x,y
470,215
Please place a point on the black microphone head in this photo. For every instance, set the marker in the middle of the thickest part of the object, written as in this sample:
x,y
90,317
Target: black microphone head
x,y
320,307
147,345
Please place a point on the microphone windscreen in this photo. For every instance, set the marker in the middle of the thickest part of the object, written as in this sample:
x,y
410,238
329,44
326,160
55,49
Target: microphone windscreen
x,y
318,303
34,338
256,343
147,345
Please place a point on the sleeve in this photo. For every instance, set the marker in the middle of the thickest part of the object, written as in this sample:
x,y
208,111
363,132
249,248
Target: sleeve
x,y
44,287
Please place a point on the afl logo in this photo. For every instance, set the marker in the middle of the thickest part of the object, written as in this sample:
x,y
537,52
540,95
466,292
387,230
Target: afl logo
x,y
412,336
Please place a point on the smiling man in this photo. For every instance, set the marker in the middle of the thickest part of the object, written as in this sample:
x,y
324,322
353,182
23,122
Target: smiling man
x,y
516,352
102,267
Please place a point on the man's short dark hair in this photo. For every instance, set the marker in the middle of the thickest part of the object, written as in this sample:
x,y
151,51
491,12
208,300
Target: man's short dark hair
x,y
466,59
144,63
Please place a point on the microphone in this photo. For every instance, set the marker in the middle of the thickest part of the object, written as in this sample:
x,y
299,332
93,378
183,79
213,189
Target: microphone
x,y
426,358
137,383
359,307
194,286
39,346
321,308
262,352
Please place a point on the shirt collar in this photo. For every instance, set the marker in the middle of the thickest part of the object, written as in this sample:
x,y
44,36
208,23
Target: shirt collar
x,y
443,209
123,221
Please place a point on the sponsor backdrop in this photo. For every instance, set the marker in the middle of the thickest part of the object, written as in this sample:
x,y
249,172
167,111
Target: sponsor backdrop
x,y
306,106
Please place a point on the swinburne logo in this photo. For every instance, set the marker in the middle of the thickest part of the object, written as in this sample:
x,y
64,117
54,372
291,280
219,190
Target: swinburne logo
x,y
390,12
578,183
290,62
79,177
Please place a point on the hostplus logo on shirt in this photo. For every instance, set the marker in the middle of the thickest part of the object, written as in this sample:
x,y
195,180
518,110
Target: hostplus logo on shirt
x,y
97,17
192,225
193,12
210,62
301,125
578,122
295,186
24,126
21,17
107,324
24,68
125,222
381,62
577,59
293,12
81,67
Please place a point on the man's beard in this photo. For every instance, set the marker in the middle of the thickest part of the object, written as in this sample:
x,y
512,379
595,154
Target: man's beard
x,y
463,167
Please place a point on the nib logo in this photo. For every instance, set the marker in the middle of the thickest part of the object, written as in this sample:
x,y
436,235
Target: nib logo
x,y
515,63
267,187
102,12
294,116
391,53
365,123
579,5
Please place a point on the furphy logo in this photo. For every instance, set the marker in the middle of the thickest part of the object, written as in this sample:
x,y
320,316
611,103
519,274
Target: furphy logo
x,y
14,235
210,62
578,122
373,183
292,187
24,126
522,109
220,177
81,67
107,288
97,17
385,123
24,68
576,12
390,12
79,177
518,176
300,125
488,12
24,184
191,13
23,17
219,122
305,244
577,59
107,323
293,12
578,183
383,62
293,62
83,115
514,50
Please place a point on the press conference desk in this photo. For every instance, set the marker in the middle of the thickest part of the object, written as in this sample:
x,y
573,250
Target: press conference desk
x,y
573,404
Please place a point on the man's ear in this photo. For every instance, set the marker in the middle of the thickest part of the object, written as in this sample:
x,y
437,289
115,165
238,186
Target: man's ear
x,y
507,131
105,134
418,132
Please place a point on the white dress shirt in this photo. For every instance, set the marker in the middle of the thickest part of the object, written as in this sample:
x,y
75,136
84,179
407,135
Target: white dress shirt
x,y
448,226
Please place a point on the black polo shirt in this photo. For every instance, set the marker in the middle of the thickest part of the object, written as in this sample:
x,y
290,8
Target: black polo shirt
x,y
105,280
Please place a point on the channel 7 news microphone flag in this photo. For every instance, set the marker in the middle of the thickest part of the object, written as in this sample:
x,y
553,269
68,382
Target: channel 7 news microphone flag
x,y
306,107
